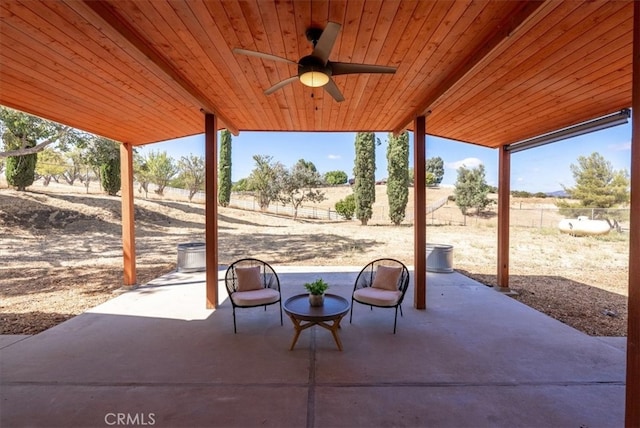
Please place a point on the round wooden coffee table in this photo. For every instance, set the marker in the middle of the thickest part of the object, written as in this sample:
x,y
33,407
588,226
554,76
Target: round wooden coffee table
x,y
299,310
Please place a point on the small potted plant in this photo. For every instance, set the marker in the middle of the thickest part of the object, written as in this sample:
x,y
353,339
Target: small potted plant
x,y
316,291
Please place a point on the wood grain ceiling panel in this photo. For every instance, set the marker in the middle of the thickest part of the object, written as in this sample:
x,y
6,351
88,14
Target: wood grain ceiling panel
x,y
581,49
144,69
553,62
243,73
128,79
72,70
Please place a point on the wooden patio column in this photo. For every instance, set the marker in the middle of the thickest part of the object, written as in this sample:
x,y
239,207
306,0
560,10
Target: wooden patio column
x,y
632,409
128,223
504,190
419,214
211,208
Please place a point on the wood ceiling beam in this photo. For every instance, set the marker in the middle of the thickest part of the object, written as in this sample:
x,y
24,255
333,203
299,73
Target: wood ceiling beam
x,y
510,25
110,23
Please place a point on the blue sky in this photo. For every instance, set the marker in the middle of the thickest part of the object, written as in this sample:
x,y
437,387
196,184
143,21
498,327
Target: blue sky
x,y
543,169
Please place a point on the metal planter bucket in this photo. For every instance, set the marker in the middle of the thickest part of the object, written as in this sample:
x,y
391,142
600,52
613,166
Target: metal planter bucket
x,y
191,257
439,258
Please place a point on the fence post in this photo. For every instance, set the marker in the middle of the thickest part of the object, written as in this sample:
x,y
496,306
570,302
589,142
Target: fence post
x,y
541,214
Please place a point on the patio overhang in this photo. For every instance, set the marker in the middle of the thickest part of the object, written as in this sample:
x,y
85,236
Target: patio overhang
x,y
489,72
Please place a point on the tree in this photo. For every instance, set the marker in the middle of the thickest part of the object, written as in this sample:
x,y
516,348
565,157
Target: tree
x,y
434,172
161,169
110,176
24,134
298,186
241,185
334,178
224,169
74,163
265,180
435,166
50,165
141,173
598,185
471,189
20,134
192,173
364,172
346,207
103,155
398,176
21,171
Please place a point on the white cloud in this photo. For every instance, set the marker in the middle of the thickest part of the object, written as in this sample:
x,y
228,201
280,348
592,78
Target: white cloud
x,y
334,157
466,162
620,147
520,179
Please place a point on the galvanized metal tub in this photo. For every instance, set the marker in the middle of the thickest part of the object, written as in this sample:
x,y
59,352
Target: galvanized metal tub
x,y
191,257
440,258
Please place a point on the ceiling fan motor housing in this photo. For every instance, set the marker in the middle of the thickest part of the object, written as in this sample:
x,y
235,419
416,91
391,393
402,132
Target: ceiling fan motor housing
x,y
312,63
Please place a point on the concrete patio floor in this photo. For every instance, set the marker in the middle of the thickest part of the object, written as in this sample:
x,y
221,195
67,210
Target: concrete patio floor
x,y
155,356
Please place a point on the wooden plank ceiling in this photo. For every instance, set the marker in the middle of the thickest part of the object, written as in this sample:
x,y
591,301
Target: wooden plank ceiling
x,y
486,72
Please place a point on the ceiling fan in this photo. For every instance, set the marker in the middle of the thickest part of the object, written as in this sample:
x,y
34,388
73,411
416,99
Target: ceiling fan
x,y
315,70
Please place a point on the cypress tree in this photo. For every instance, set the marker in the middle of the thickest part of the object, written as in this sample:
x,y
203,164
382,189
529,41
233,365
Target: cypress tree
x,y
398,176
364,172
110,176
224,169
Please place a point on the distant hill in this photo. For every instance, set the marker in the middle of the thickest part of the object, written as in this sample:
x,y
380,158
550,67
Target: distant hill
x,y
558,194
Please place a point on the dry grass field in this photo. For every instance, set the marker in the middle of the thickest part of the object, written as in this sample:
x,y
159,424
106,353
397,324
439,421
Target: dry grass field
x,y
61,252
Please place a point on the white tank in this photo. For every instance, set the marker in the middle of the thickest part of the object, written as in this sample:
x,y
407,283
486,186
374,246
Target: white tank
x,y
582,226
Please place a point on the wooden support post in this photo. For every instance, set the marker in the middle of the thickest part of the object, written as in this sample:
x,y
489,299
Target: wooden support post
x,y
504,191
211,209
419,214
128,221
632,408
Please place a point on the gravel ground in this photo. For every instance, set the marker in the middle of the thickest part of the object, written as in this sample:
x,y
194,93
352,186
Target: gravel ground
x,y
62,255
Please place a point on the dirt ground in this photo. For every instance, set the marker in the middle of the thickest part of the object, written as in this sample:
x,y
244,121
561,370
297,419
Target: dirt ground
x,y
61,254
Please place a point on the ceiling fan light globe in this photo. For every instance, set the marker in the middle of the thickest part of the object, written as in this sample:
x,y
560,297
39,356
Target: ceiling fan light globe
x,y
314,78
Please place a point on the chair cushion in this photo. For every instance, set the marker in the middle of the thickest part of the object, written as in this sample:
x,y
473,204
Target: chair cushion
x,y
377,296
263,296
248,278
387,278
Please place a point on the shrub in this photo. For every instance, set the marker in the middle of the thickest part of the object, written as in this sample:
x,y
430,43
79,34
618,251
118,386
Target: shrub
x,y
110,176
21,171
346,207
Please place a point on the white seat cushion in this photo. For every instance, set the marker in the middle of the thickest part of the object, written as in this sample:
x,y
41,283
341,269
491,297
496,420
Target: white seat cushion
x,y
377,296
255,297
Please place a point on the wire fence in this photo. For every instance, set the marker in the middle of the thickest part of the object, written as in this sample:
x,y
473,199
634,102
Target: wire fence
x,y
540,218
439,213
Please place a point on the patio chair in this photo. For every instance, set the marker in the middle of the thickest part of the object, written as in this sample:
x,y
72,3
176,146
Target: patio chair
x,y
383,284
252,283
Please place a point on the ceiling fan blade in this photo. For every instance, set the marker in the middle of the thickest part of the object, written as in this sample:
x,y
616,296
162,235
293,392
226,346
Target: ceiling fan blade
x,y
333,90
262,55
325,43
279,85
338,68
